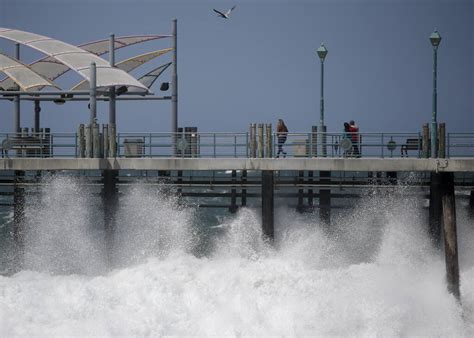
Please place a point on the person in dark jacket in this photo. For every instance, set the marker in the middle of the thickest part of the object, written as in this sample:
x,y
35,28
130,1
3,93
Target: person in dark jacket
x,y
282,132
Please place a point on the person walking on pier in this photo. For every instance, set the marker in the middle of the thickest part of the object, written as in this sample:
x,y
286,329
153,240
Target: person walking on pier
x,y
354,132
347,136
282,132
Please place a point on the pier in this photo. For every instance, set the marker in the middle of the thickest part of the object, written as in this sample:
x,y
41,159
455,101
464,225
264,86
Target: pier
x,y
238,167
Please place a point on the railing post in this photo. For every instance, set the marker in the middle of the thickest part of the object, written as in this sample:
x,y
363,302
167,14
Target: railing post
x,y
323,141
268,140
81,141
95,140
426,141
112,140
88,137
214,137
260,140
314,141
253,140
235,145
105,140
442,140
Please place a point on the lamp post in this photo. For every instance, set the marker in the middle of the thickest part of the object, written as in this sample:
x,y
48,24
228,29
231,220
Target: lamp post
x,y
322,52
435,40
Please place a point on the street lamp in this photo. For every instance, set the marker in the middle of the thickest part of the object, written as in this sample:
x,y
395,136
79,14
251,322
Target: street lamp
x,y
435,40
322,52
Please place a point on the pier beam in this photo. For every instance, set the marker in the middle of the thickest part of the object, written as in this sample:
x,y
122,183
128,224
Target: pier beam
x,y
300,206
435,211
325,199
268,205
450,233
109,203
243,197
233,194
471,204
392,177
19,215
310,190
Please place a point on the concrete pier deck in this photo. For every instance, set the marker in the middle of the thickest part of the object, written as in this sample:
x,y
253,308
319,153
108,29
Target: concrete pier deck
x,y
315,164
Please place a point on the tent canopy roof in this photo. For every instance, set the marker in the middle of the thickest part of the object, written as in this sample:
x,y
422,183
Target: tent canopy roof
x,y
75,58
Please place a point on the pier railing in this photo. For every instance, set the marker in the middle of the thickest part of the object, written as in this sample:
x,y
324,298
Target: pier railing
x,y
238,145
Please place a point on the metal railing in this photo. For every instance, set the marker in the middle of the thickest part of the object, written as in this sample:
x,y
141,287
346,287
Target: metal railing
x,y
237,145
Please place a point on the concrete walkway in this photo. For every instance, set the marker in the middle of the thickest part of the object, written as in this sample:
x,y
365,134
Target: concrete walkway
x,y
326,164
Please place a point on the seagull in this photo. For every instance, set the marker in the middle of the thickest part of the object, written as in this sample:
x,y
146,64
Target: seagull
x,y
224,15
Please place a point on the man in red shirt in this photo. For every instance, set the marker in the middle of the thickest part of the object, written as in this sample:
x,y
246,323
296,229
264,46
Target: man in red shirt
x,y
354,132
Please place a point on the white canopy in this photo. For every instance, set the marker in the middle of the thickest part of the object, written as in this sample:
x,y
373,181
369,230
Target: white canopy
x,y
22,75
128,65
51,68
75,58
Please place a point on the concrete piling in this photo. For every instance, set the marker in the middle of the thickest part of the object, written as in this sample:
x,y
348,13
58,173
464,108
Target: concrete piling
x,y
435,209
96,141
109,203
325,199
233,194
310,190
105,140
112,140
300,205
253,140
442,140
260,149
425,141
81,141
18,208
268,141
88,140
314,141
450,233
268,205
243,198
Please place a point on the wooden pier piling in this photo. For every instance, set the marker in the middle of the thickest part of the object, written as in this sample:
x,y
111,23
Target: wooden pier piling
x,y
267,204
435,209
109,203
243,196
471,204
310,190
233,194
325,199
18,209
450,234
300,206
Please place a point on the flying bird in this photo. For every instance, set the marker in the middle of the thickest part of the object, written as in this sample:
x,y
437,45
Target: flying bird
x,y
224,15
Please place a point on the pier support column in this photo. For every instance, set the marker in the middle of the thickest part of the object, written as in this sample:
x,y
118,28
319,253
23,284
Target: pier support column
x,y
233,194
109,202
471,204
243,198
310,190
300,206
18,207
267,205
18,216
450,233
325,199
435,211
392,177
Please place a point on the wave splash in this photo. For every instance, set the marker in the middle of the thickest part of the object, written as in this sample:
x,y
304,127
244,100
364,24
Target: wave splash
x,y
373,272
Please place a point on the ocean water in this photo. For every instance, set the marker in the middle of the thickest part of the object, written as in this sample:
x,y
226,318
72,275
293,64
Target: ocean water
x,y
175,271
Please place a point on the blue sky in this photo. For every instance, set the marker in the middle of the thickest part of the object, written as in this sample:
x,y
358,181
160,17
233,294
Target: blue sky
x,y
261,64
